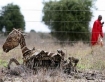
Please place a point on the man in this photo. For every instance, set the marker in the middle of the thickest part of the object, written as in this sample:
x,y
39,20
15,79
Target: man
x,y
97,33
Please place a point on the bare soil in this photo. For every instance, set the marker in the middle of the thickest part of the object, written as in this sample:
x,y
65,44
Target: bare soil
x,y
52,76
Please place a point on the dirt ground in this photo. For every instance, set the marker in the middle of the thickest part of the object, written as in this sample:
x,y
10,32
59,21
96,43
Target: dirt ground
x,y
52,76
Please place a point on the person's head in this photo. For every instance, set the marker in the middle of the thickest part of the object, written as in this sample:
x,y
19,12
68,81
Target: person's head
x,y
99,17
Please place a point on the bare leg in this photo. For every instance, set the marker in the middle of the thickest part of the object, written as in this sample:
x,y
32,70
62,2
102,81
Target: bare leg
x,y
13,60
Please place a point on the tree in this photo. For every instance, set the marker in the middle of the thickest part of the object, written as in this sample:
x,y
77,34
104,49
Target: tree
x,y
70,18
11,17
1,23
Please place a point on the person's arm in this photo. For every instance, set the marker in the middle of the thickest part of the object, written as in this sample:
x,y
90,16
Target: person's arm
x,y
102,24
101,31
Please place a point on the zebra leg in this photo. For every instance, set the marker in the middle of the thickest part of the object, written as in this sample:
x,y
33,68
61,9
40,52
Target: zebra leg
x,y
12,60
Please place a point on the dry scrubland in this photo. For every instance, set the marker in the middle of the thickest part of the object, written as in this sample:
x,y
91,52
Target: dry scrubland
x,y
87,61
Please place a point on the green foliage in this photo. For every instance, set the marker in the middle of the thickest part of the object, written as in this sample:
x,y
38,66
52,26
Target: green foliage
x,y
69,17
11,17
32,30
1,23
3,63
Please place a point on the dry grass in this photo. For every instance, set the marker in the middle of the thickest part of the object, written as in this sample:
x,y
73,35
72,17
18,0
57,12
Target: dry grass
x,y
79,50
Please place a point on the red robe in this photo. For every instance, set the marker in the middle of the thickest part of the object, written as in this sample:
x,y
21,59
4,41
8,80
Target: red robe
x,y
96,30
